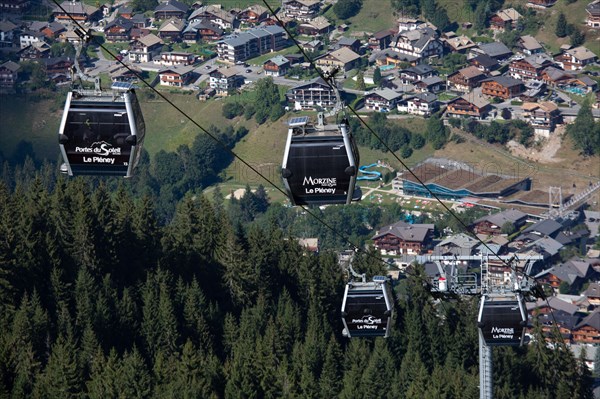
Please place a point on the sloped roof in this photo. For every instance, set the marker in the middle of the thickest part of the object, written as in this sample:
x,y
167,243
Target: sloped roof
x,y
593,290
174,24
470,72
530,43
510,14
459,240
150,40
75,7
125,23
386,93
556,304
347,41
257,9
344,55
495,49
505,81
172,5
7,26
546,227
485,60
571,270
319,23
581,53
592,320
498,219
539,60
179,69
461,42
11,66
278,60
405,231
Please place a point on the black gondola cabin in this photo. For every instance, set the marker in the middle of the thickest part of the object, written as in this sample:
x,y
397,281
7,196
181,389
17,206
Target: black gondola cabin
x,y
319,164
502,320
367,309
101,133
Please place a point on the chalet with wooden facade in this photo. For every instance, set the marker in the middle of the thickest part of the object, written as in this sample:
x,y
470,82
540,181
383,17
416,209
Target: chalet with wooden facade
x,y
484,63
574,272
253,15
145,48
204,30
503,87
53,30
576,58
468,106
422,104
381,40
301,10
172,30
225,81
504,19
9,75
36,51
343,58
530,67
554,77
529,45
496,50
172,58
403,238
420,43
466,79
383,100
57,65
224,19
276,66
14,6
118,30
593,14
592,293
77,10
459,44
312,94
416,73
171,9
176,76
433,84
588,330
492,224
315,27
543,117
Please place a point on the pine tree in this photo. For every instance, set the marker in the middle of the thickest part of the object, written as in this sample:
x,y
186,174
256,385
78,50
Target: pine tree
x,y
330,381
133,379
577,38
102,382
360,81
561,25
62,376
377,76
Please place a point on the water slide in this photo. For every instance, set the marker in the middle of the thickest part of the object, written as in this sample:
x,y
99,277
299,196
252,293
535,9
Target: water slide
x,y
370,174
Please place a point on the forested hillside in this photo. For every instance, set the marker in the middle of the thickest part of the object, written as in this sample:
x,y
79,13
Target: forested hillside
x,y
99,299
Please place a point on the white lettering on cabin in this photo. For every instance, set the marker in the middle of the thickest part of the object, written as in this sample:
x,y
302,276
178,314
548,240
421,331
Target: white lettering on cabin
x,y
320,181
100,148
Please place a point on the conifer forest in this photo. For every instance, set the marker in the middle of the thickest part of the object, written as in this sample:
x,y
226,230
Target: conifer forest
x,y
130,289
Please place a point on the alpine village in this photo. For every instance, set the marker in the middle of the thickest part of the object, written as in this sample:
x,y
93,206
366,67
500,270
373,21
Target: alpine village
x,y
198,276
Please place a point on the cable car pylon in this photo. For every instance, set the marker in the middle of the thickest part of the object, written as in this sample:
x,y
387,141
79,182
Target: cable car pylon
x,y
502,317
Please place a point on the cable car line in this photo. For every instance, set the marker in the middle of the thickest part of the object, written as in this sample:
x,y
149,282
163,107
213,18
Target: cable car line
x,y
265,178
343,236
360,118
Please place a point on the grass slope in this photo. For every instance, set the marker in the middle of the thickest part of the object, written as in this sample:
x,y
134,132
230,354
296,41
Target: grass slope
x,y
374,16
33,121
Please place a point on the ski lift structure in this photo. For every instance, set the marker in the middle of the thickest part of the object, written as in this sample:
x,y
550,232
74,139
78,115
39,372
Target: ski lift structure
x,y
502,318
320,159
101,132
367,307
